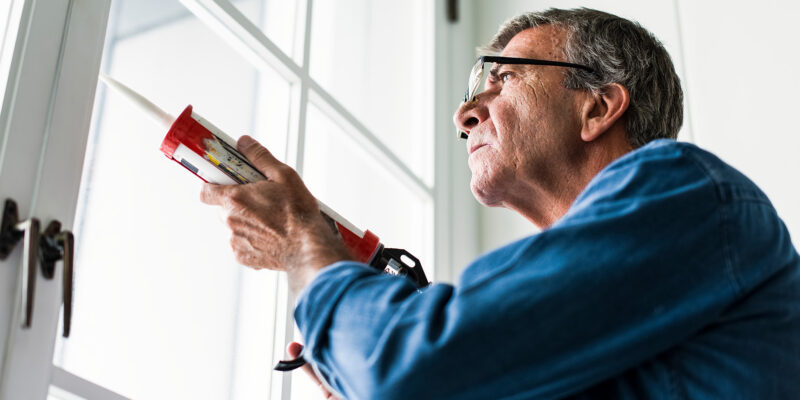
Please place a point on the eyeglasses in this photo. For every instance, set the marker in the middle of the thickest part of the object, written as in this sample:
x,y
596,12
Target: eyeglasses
x,y
476,75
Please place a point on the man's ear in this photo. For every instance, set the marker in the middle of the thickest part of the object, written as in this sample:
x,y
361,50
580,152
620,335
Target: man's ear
x,y
601,111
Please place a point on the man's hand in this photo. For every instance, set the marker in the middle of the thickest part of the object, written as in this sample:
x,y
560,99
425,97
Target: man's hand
x,y
294,349
276,223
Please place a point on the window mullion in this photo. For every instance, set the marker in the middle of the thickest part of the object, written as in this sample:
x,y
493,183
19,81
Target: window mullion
x,y
297,133
296,142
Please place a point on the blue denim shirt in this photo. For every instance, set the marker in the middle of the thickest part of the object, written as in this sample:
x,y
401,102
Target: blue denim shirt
x,y
670,277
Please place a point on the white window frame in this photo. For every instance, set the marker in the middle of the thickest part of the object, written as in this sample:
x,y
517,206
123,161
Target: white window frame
x,y
46,108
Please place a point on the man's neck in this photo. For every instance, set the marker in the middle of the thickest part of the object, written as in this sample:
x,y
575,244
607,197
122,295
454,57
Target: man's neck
x,y
553,202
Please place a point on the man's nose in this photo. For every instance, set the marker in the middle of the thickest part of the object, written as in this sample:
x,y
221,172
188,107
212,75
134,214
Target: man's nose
x,y
470,114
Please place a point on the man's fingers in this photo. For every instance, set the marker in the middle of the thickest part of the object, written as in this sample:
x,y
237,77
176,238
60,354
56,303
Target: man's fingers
x,y
294,349
258,155
215,194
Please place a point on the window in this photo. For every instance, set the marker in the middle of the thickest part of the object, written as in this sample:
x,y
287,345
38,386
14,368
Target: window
x,y
338,90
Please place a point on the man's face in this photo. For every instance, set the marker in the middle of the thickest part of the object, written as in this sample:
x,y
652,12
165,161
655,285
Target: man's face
x,y
524,128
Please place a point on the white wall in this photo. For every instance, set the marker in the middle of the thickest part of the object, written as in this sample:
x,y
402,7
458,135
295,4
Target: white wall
x,y
736,63
743,90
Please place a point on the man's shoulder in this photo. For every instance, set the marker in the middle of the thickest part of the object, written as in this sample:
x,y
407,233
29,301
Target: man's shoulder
x,y
667,166
662,152
654,173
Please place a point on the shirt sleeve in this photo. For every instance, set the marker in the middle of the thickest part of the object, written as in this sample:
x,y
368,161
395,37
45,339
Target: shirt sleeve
x,y
638,264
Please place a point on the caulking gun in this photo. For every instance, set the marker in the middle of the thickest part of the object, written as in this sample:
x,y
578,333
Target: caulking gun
x,y
209,153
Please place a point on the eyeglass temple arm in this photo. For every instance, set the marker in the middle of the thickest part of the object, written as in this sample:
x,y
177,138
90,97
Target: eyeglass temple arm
x,y
531,61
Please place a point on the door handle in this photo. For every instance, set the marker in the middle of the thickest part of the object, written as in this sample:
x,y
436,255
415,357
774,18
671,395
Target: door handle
x,y
58,245
49,247
11,231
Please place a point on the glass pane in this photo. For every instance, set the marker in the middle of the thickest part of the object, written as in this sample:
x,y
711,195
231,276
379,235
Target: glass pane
x,y
5,20
380,67
350,181
276,18
9,24
162,311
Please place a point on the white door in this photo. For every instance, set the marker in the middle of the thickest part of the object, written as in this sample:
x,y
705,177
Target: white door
x,y
46,106
341,90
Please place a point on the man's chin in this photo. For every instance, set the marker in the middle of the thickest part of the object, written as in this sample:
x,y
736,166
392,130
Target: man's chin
x,y
484,196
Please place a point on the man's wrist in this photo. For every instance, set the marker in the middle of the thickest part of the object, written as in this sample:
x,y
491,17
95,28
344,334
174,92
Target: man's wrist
x,y
318,250
302,275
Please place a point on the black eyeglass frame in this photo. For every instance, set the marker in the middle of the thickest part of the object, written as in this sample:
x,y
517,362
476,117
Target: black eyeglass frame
x,y
476,74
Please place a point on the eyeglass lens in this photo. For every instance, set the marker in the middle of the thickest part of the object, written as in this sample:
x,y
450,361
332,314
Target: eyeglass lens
x,y
474,80
472,86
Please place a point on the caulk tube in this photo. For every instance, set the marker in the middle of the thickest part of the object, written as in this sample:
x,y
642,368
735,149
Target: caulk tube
x,y
209,153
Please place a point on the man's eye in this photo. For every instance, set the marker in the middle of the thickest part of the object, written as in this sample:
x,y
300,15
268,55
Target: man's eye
x,y
505,76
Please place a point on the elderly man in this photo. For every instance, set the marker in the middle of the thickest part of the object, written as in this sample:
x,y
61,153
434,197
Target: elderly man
x,y
660,271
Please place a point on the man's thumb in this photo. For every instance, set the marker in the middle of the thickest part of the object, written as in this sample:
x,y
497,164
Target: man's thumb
x,y
245,141
261,158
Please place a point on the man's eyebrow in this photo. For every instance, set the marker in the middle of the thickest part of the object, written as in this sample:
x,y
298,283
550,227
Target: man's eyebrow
x,y
495,69
493,73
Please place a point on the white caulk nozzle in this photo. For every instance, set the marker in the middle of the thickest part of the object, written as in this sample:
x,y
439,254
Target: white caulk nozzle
x,y
146,105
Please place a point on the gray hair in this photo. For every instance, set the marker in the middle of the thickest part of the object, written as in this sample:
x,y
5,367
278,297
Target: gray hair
x,y
619,51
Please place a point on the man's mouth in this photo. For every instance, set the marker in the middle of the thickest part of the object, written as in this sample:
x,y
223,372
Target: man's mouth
x,y
476,147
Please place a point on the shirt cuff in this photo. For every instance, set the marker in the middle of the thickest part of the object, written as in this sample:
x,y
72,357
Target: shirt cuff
x,y
318,301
